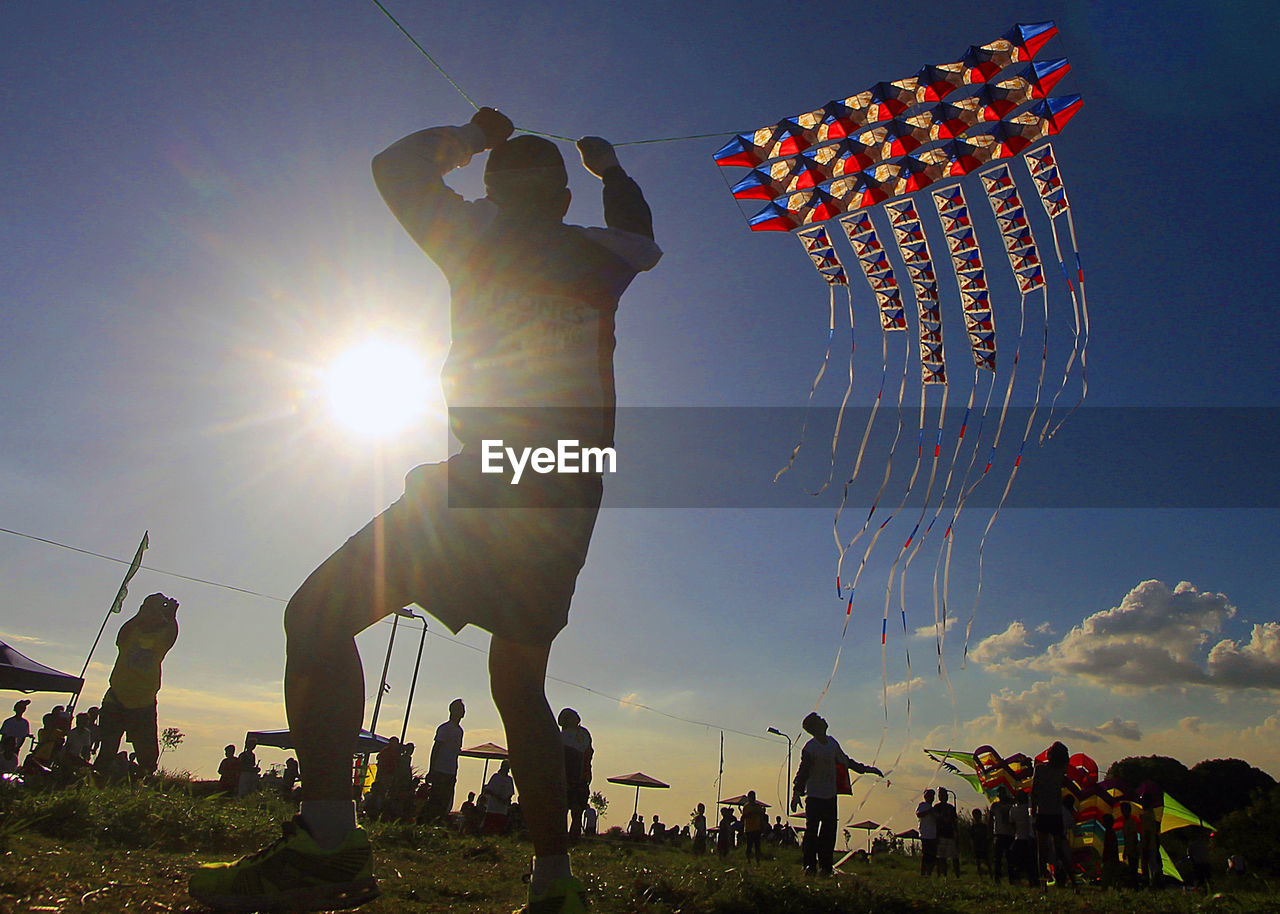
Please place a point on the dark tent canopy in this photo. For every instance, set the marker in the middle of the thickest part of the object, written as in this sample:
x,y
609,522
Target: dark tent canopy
x,y
19,673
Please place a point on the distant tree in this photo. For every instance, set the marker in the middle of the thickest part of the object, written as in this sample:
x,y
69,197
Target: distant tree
x,y
1171,775
1251,832
599,802
171,738
1225,785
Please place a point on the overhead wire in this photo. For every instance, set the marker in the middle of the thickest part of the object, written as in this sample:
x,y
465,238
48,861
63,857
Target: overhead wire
x,y
457,641
551,136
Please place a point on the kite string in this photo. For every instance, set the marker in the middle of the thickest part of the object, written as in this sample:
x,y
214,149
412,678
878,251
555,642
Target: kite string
x,y
551,136
434,62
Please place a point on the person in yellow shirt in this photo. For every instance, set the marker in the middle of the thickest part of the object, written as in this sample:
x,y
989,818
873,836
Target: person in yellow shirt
x,y
129,707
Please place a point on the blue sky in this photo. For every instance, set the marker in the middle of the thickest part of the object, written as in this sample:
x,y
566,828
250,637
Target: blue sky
x,y
192,234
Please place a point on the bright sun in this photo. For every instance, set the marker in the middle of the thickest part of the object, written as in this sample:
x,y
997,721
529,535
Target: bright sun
x,y
378,388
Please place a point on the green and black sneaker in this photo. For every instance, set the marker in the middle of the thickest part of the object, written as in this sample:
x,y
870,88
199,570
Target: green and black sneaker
x,y
565,896
293,873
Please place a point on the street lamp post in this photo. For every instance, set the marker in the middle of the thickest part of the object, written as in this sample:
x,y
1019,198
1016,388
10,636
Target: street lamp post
x,y
776,732
404,729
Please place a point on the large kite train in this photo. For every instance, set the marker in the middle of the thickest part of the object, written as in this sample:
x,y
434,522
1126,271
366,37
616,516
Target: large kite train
x,y
838,170
1005,779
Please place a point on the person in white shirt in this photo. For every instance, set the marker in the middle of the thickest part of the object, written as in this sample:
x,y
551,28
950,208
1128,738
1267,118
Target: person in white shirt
x,y
498,792
577,766
443,769
817,781
928,834
1023,856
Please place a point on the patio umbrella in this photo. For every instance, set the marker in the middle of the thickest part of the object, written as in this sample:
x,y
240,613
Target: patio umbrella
x,y
911,834
740,800
637,780
870,827
485,751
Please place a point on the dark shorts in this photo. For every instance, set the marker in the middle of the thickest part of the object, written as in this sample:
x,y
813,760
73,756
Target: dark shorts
x,y
510,570
139,725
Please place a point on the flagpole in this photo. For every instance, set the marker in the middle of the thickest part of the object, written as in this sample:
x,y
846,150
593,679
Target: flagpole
x,y
115,608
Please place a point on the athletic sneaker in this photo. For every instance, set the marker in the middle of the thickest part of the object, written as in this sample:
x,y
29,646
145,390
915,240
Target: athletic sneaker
x,y
564,897
294,873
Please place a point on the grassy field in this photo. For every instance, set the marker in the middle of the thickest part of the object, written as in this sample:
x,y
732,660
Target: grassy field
x,y
122,849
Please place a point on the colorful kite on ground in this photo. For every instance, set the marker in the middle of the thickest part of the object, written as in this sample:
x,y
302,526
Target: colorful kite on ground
x,y
999,778
856,161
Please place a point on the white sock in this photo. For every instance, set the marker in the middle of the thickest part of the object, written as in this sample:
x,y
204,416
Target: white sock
x,y
329,820
547,870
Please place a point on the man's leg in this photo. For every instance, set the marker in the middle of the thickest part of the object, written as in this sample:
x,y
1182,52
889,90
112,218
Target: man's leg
x,y
112,731
143,726
324,700
809,843
827,837
516,678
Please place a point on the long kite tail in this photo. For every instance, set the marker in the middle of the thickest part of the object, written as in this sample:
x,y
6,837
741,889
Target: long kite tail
x,y
948,536
844,402
813,386
857,465
1053,196
878,271
853,588
1013,474
1025,261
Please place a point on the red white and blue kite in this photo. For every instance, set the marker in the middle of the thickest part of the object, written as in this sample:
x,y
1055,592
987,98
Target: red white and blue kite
x,y
858,161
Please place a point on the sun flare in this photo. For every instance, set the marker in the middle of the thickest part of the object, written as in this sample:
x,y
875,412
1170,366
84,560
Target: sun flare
x,y
378,388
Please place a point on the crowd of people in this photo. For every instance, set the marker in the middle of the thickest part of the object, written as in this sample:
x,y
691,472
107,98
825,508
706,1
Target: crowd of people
x,y
1027,837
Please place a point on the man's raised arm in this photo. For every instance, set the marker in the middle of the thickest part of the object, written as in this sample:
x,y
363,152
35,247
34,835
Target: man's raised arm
x,y
409,175
624,206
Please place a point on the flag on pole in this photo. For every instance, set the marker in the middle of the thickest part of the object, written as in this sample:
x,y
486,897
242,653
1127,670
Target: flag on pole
x,y
133,569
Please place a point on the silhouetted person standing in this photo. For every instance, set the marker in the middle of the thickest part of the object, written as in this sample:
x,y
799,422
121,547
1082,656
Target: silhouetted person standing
x,y
129,709
816,781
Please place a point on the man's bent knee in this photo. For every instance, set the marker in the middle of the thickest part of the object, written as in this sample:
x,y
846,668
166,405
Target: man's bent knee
x,y
516,670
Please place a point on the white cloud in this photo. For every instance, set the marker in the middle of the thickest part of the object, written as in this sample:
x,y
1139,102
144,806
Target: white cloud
x,y
936,629
997,652
8,638
901,688
1255,664
1155,637
1032,711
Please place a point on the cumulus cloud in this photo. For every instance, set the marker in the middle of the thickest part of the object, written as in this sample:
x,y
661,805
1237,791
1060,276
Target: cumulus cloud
x,y
934,630
1033,710
1121,729
1155,637
1254,664
901,688
998,652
